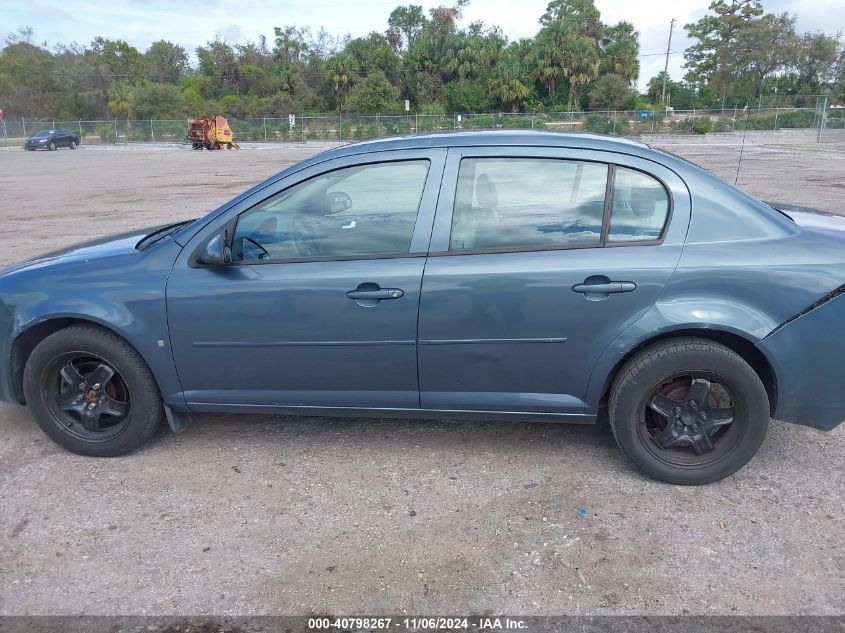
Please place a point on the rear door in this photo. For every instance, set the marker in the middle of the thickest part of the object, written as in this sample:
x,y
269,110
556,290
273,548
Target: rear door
x,y
539,259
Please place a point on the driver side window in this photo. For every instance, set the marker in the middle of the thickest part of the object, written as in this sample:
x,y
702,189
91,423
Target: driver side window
x,y
350,212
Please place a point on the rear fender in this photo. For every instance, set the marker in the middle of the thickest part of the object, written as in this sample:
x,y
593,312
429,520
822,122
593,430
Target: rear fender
x,y
682,315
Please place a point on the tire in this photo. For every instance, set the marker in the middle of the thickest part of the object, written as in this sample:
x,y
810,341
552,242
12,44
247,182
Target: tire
x,y
127,406
73,145
688,411
52,146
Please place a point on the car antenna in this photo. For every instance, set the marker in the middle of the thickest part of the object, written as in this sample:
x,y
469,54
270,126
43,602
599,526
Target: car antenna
x,y
742,145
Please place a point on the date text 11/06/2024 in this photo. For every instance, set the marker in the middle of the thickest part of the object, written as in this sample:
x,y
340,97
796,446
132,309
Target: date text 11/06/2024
x,y
422,623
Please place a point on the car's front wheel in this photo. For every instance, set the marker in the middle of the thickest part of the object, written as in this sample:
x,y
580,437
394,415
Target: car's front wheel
x,y
688,411
91,392
52,146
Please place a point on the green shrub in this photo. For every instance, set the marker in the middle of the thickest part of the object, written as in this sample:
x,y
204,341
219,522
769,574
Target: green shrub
x,y
397,127
284,133
138,134
479,122
757,122
683,126
723,124
702,124
434,108
796,118
603,124
434,123
106,133
598,123
517,122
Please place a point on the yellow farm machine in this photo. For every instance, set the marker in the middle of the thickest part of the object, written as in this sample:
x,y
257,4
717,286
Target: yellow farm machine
x,y
211,132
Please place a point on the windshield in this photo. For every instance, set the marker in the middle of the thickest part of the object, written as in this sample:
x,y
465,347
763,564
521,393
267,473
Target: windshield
x,y
43,134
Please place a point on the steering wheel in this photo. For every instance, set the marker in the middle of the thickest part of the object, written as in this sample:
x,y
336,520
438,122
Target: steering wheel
x,y
304,240
264,254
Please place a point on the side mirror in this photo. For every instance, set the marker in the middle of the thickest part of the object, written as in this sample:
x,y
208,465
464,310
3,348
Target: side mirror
x,y
216,251
338,201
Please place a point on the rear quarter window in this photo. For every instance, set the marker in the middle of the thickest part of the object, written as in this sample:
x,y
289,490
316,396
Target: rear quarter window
x,y
640,207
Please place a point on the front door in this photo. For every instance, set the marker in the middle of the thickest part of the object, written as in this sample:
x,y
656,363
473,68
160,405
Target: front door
x,y
319,307
526,283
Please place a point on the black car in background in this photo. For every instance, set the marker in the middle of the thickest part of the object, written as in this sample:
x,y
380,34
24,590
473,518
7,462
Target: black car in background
x,y
52,139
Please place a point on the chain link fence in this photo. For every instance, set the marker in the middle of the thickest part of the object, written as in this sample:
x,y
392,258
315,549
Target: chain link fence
x,y
829,125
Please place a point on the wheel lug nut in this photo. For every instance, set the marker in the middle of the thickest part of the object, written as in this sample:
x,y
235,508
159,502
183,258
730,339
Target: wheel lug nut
x,y
92,405
702,415
677,410
96,386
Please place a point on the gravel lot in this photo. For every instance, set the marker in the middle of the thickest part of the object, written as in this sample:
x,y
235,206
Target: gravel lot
x,y
272,515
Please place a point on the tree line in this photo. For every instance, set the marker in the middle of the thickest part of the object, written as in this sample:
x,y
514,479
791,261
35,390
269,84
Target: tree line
x,y
574,62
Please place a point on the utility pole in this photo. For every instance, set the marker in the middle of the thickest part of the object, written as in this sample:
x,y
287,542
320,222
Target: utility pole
x,y
666,65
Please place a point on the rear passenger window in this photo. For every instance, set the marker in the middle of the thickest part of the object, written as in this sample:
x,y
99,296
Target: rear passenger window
x,y
527,202
640,207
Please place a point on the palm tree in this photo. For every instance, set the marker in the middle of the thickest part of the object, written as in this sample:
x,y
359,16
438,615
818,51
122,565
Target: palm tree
x,y
341,72
580,65
509,83
547,65
620,51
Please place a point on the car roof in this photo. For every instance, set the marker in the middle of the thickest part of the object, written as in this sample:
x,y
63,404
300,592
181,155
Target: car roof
x,y
491,138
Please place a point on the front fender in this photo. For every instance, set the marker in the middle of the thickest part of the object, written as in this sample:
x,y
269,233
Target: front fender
x,y
123,293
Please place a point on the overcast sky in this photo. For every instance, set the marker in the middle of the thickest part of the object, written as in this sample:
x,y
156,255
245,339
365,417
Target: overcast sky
x,y
193,22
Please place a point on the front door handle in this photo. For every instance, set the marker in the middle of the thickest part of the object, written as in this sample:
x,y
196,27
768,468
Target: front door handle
x,y
612,286
369,294
600,287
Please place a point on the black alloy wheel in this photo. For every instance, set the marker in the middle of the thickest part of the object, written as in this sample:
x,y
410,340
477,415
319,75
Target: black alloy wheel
x,y
688,410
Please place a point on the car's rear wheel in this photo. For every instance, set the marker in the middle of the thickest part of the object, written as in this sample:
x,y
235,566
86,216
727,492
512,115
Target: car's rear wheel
x,y
73,144
689,411
91,392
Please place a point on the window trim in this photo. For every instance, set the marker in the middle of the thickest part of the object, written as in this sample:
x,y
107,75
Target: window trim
x,y
233,222
608,208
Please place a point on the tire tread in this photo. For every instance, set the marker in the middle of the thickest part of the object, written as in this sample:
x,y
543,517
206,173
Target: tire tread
x,y
659,353
145,392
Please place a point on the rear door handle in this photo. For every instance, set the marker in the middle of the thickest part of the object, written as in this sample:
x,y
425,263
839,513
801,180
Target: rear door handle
x,y
381,294
611,286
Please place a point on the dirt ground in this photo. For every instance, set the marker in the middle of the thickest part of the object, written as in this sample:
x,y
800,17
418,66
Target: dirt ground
x,y
273,515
